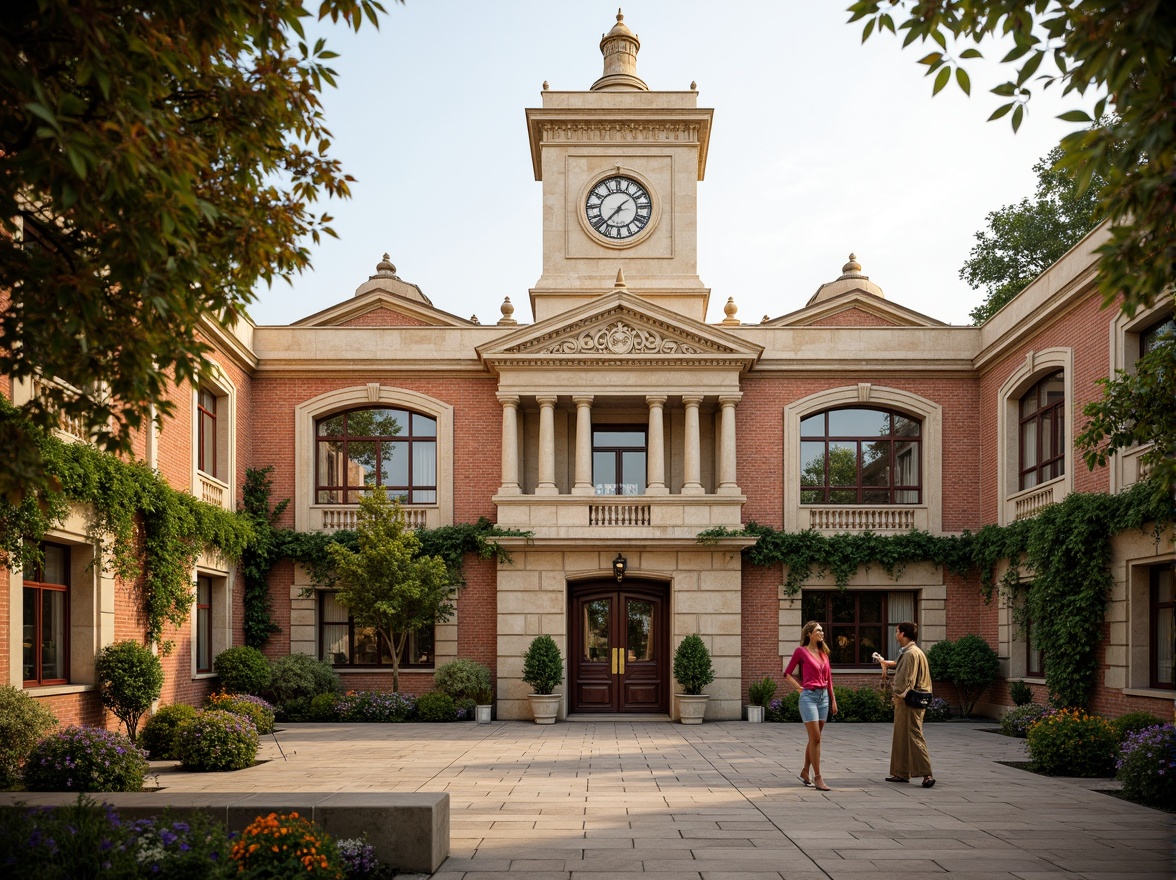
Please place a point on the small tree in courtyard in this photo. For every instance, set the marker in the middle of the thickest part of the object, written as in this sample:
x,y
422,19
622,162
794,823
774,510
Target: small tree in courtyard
x,y
386,584
130,678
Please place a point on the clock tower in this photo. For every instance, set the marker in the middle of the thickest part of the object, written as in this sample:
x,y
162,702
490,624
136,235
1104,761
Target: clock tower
x,y
620,167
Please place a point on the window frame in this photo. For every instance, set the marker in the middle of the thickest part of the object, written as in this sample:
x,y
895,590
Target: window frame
x,y
831,628
321,642
206,431
892,439
38,586
1154,607
1050,450
1034,657
345,489
619,452
202,632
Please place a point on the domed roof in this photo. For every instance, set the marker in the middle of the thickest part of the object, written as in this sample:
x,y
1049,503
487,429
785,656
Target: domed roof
x,y
851,279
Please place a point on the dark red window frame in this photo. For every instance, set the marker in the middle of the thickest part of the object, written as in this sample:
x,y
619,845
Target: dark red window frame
x,y
206,432
35,588
865,636
828,492
1049,419
348,492
1155,609
203,634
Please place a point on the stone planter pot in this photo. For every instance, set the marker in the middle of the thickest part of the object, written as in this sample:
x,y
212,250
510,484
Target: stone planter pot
x,y
545,707
691,707
482,714
755,714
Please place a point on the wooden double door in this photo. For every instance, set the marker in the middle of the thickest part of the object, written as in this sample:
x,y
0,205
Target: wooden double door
x,y
619,647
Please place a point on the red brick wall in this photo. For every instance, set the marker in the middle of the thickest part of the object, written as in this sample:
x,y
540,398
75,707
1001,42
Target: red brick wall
x,y
852,318
383,317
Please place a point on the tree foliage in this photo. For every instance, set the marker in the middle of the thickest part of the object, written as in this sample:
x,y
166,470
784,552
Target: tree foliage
x,y
130,679
1025,239
1121,55
156,161
385,583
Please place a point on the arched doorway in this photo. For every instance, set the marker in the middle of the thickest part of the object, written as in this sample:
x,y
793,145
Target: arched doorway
x,y
619,651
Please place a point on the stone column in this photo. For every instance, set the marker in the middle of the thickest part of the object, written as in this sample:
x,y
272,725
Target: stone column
x,y
727,481
656,447
692,452
583,445
510,445
546,447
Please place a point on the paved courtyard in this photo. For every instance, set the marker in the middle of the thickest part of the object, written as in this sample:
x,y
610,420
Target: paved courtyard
x,y
614,800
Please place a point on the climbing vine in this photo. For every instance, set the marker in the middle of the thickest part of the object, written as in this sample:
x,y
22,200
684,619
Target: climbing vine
x,y
1058,572
150,535
260,556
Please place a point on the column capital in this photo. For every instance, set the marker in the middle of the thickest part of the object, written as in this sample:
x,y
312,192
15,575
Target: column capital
x,y
508,399
730,399
546,399
655,399
583,399
691,399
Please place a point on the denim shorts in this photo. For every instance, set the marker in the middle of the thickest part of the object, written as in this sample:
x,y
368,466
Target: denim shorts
x,y
814,705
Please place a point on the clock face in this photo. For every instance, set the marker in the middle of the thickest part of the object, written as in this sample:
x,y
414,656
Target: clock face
x,y
618,208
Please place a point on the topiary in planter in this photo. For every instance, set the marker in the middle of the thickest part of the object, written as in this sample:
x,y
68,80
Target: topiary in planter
x,y
543,665
242,670
692,665
159,733
462,678
435,706
130,679
217,740
23,721
257,710
85,759
760,693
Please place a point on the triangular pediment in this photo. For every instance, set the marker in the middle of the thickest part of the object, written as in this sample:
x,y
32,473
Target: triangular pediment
x,y
619,329
382,308
854,309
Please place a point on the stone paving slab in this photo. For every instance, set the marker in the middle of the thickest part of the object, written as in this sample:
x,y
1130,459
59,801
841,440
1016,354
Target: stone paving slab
x,y
615,800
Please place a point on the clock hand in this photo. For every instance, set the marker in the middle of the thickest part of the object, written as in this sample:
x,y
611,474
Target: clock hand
x,y
617,211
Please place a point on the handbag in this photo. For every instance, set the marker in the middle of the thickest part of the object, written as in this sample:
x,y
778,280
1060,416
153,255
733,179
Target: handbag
x,y
917,699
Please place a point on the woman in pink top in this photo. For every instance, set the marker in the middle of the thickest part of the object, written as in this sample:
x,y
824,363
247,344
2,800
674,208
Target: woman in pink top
x,y
816,695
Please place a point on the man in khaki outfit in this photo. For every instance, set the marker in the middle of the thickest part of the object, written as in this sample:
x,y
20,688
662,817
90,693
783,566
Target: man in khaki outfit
x,y
908,749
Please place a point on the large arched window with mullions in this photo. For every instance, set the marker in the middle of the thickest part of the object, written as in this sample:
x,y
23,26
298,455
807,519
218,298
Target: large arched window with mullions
x,y
860,455
1043,431
361,449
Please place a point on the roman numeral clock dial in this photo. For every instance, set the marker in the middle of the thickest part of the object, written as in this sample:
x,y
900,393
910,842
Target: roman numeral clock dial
x,y
618,208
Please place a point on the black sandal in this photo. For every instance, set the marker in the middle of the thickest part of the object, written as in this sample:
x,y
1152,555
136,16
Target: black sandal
x,y
928,782
896,779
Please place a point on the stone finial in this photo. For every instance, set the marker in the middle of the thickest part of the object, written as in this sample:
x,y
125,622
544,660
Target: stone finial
x,y
620,283
545,85
852,269
729,310
619,48
765,319
507,313
693,86
474,319
384,269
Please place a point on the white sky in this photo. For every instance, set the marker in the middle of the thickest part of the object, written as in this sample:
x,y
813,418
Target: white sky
x,y
820,146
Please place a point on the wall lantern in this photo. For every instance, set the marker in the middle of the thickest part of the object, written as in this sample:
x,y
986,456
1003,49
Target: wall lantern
x,y
619,566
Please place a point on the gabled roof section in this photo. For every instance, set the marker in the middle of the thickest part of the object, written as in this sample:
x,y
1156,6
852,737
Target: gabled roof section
x,y
623,330
384,300
850,307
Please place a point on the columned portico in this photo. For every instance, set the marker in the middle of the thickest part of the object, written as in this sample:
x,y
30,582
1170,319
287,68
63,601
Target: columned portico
x,y
727,484
655,483
583,484
546,446
693,450
510,445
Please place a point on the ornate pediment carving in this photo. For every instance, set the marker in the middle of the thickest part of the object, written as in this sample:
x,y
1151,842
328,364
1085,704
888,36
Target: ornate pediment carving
x,y
619,333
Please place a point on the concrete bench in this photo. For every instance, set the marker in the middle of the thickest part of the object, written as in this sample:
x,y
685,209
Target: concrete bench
x,y
409,830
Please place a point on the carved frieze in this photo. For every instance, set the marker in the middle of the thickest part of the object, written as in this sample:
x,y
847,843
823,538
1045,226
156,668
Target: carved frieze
x,y
620,338
639,132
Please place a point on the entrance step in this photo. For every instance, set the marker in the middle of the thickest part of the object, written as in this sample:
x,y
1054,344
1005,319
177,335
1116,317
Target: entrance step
x,y
617,716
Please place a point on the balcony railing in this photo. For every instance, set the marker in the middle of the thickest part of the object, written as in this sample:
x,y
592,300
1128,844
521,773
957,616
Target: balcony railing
x,y
212,491
620,513
863,519
1031,504
335,517
73,427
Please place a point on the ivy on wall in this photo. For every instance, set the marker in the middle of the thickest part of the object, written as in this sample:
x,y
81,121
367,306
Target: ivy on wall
x,y
150,535
1058,572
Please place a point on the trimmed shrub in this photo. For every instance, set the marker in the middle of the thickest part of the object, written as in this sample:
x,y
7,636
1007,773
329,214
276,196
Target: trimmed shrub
x,y
1071,743
939,710
323,707
85,759
130,679
1020,692
300,677
286,846
939,660
435,706
692,665
543,665
23,721
1016,722
248,706
863,705
974,666
374,706
1134,722
1147,765
760,693
462,678
242,670
785,709
217,740
159,733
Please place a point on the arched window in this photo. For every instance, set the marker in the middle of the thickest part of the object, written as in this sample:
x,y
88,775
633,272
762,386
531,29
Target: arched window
x,y
363,448
858,455
1043,431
